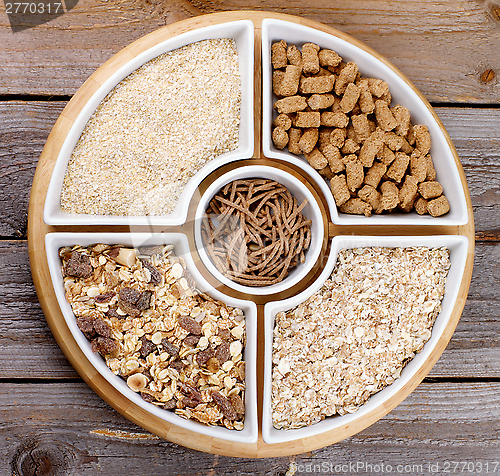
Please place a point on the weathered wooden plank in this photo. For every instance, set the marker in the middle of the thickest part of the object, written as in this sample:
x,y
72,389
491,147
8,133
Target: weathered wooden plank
x,y
474,132
445,48
30,351
25,338
475,135
25,127
438,422
57,57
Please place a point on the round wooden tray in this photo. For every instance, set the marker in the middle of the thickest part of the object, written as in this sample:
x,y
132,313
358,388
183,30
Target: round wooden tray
x,y
37,230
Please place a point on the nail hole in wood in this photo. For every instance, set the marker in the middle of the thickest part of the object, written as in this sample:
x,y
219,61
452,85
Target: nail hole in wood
x,y
495,12
488,76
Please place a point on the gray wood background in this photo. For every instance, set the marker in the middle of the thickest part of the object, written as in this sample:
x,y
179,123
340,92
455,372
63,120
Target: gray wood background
x,y
51,423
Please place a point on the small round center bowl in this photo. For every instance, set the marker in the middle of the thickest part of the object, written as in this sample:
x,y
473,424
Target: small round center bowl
x,y
311,211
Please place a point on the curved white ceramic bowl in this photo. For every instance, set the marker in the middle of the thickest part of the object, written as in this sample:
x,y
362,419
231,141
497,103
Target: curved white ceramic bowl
x,y
243,33
310,211
54,241
403,92
457,245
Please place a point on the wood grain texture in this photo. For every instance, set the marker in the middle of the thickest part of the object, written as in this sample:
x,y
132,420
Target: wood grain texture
x,y
443,47
176,433
57,57
25,127
474,349
439,421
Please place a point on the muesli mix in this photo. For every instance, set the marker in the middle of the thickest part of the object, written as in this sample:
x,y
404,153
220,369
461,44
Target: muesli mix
x,y
178,348
355,335
376,160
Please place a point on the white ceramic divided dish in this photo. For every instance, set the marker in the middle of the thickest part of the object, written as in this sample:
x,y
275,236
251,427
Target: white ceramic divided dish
x,y
457,245
243,33
403,93
54,241
310,211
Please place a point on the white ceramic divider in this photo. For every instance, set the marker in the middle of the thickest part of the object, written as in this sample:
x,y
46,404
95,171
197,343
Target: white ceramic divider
x,y
243,33
403,92
54,241
457,245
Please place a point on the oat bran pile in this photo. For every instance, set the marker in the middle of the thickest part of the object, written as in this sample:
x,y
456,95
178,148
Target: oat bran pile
x,y
154,131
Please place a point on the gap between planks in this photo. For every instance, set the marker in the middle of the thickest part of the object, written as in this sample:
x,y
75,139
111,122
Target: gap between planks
x,y
67,98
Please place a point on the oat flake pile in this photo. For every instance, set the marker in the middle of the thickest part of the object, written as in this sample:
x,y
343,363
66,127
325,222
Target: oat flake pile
x,y
154,131
355,335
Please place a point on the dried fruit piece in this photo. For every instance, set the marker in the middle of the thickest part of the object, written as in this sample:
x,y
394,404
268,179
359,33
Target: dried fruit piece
x,y
213,365
194,397
177,365
104,345
170,404
170,348
147,397
112,313
129,295
151,250
153,271
104,298
190,325
224,405
128,299
101,328
86,325
128,308
191,340
222,353
147,347
225,334
238,405
144,301
203,356
78,266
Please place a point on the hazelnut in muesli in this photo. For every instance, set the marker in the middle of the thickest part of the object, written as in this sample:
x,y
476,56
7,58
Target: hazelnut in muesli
x,y
180,349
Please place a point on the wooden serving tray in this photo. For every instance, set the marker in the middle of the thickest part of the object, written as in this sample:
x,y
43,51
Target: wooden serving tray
x,y
37,230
